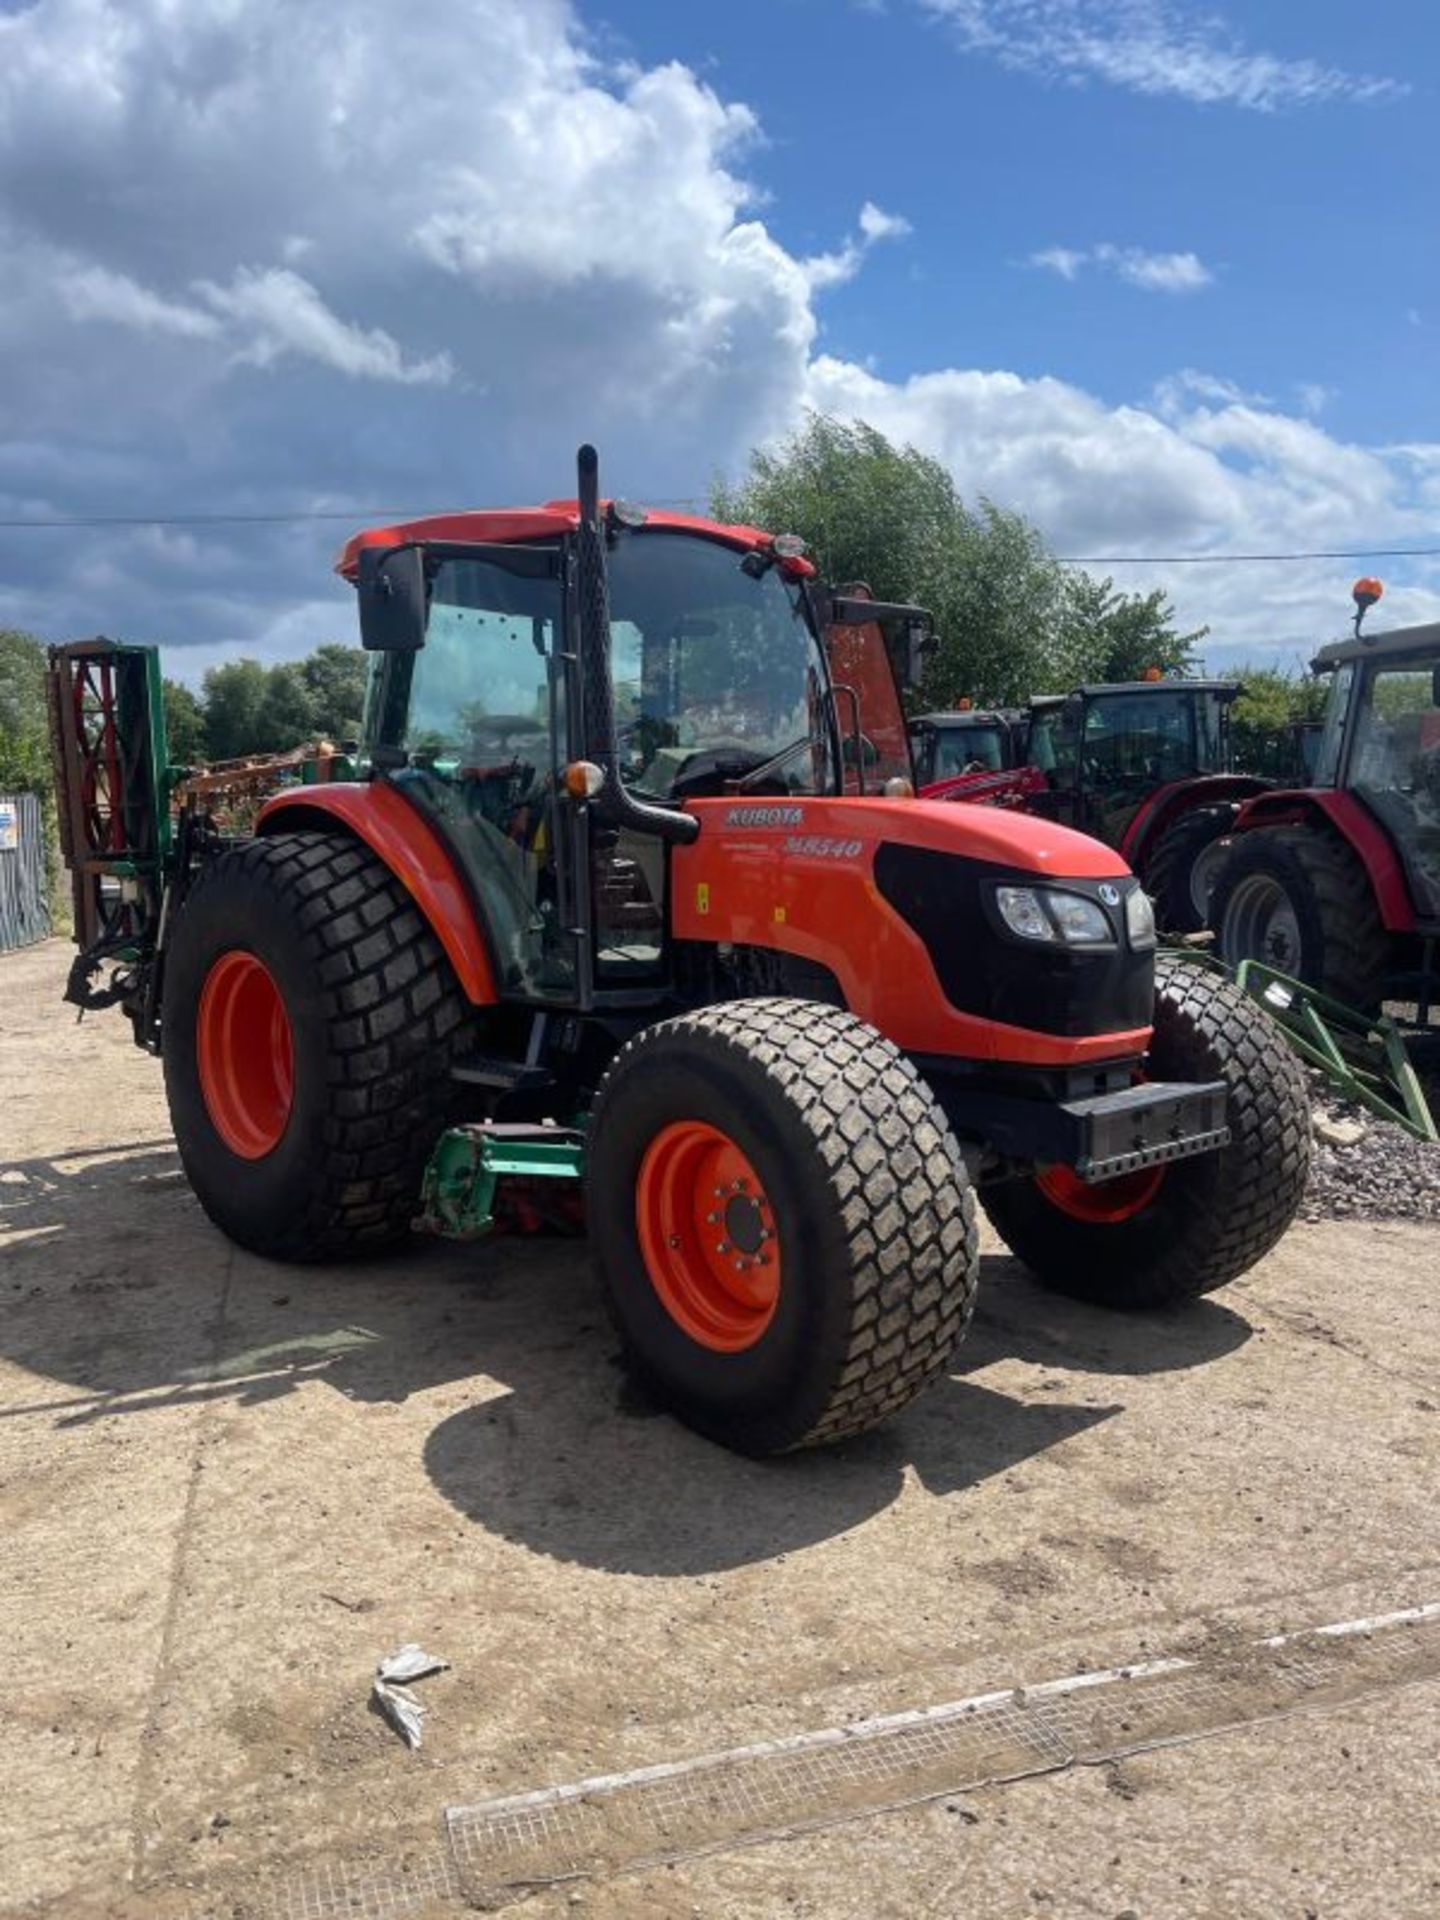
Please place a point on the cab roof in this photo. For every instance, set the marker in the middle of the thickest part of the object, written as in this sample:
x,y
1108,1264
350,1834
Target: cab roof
x,y
1399,641
515,525
1227,689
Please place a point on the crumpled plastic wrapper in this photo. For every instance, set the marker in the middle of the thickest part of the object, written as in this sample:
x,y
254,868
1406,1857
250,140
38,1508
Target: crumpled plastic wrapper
x,y
403,1709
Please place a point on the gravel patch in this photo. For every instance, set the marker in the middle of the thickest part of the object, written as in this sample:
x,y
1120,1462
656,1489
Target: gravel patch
x,y
1384,1174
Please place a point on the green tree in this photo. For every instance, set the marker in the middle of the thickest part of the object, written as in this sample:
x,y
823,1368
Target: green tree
x,y
184,724
336,677
1273,697
1008,615
24,728
232,696
1110,635
286,715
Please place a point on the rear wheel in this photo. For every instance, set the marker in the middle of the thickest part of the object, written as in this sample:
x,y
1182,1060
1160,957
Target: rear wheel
x,y
309,1022
780,1221
1299,900
1168,1233
1180,874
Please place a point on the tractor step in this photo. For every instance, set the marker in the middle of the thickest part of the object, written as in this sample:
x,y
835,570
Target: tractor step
x,y
500,1076
457,1194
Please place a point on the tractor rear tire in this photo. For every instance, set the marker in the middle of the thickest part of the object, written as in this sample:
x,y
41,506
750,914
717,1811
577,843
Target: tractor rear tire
x,y
781,1222
1298,899
309,1021
1180,874
1170,1233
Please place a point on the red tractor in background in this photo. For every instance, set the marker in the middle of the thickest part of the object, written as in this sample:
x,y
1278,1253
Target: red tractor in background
x,y
1337,883
966,740
1143,765
624,895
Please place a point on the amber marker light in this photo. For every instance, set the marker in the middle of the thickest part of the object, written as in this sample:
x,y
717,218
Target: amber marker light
x,y
583,779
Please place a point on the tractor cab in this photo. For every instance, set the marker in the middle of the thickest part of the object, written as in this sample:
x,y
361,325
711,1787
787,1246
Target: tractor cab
x,y
1106,750
1380,740
730,672
964,741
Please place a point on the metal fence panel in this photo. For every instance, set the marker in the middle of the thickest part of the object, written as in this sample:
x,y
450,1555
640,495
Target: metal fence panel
x,y
24,910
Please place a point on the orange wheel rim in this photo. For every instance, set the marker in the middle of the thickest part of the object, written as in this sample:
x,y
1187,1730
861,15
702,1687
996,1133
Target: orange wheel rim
x,y
1105,1205
708,1236
245,1053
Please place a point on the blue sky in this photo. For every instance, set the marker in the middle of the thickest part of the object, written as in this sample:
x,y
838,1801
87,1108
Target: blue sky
x,y
1319,221
1161,275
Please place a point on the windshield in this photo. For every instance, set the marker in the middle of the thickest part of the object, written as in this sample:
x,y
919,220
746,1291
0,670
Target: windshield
x,y
1141,736
1395,768
967,750
716,672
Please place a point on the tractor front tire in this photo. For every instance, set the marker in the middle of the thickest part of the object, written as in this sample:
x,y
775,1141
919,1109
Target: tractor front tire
x,y
1172,1232
1180,874
309,1021
1299,900
781,1222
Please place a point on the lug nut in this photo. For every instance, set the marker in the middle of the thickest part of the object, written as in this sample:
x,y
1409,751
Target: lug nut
x,y
674,1239
723,1247
713,1219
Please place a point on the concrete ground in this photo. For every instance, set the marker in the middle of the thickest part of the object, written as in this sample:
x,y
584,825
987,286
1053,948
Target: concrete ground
x,y
227,1487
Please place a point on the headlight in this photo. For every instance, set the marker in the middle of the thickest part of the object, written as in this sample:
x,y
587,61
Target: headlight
x,y
1080,921
1139,919
1022,912
1042,913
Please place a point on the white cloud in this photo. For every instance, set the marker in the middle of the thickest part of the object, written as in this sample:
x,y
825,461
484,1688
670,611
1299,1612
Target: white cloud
x,y
277,312
1148,47
876,224
1174,393
1313,396
1066,261
1155,272
1212,473
823,270
95,293
254,267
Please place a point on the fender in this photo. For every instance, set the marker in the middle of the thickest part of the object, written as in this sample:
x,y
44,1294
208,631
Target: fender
x,y
374,812
1167,803
1347,817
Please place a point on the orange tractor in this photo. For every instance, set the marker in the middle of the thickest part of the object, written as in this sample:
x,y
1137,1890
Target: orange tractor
x,y
620,904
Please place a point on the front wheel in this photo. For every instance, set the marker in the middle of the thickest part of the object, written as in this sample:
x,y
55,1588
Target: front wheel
x,y
780,1221
1169,1233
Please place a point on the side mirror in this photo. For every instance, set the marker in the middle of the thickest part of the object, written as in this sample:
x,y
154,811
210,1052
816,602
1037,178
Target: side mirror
x,y
392,599
920,642
869,752
1435,686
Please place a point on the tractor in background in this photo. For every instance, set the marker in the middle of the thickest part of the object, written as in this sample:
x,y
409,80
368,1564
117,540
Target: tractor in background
x,y
1146,766
1337,881
965,740
625,897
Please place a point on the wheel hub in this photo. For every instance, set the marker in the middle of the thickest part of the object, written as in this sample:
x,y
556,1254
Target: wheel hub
x,y
245,1054
707,1236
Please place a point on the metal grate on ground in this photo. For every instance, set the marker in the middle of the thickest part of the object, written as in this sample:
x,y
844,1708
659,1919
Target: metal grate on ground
x,y
500,1849
761,1792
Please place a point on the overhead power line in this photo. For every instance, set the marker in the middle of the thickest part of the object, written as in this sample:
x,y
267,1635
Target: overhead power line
x,y
1241,559
361,516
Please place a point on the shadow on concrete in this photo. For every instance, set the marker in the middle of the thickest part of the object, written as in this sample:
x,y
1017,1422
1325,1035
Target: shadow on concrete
x,y
120,1298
